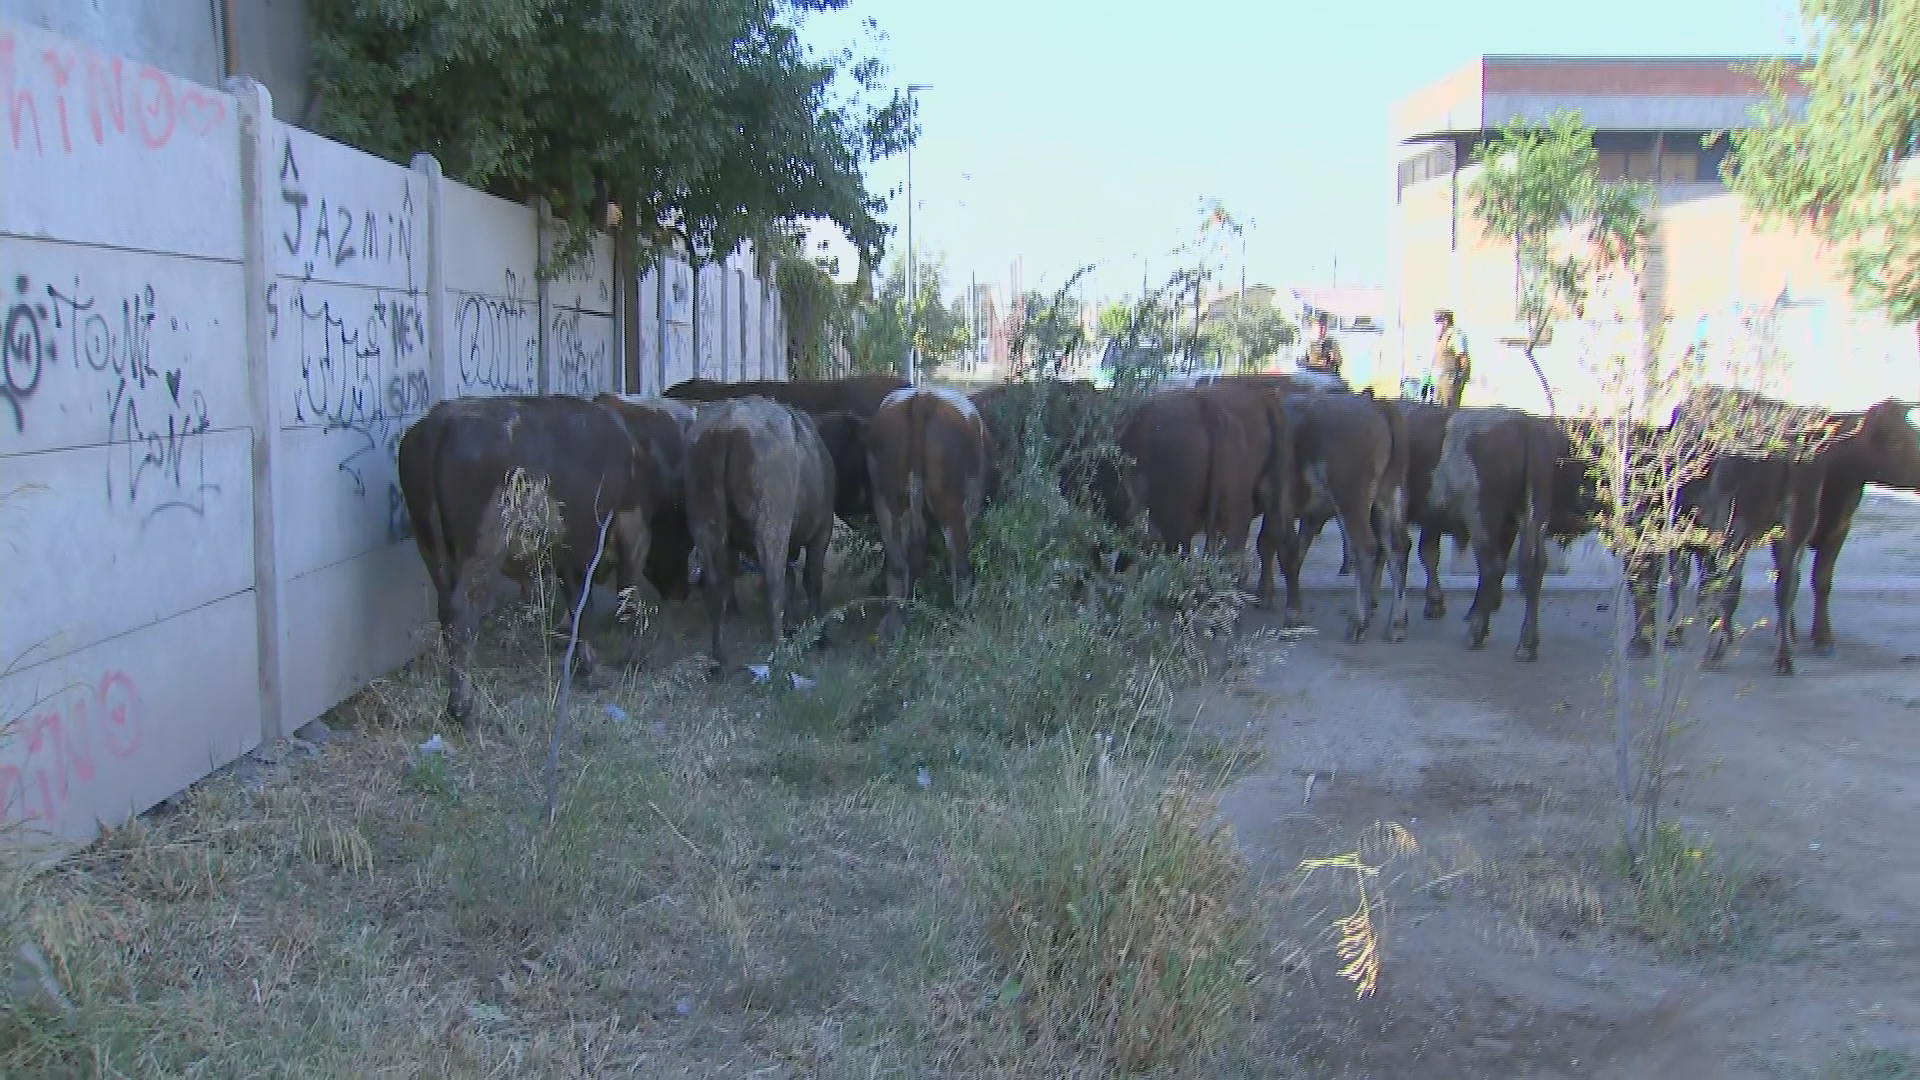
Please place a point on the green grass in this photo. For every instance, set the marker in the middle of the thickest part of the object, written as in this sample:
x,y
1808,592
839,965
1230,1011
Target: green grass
x,y
737,878
1693,901
1870,1063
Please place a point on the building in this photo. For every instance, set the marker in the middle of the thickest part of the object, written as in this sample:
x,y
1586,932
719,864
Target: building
x,y
1713,281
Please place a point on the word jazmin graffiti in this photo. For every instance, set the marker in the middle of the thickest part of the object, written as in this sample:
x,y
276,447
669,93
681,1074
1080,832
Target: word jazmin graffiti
x,y
55,748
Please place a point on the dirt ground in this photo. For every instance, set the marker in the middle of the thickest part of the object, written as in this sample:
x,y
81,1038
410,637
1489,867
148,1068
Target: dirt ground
x,y
1495,959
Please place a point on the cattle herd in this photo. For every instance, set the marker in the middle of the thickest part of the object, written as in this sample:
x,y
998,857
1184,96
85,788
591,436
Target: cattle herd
x,y
682,486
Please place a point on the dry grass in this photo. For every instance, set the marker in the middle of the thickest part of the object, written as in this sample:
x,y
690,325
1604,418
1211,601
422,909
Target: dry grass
x,y
739,879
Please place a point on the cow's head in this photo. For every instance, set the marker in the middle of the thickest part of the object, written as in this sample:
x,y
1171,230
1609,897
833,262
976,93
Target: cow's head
x,y
1888,444
845,435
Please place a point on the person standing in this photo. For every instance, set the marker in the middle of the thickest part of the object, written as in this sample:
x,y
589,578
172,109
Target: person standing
x,y
1323,352
1452,364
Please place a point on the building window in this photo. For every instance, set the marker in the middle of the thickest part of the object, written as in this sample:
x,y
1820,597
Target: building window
x,y
1434,161
1638,166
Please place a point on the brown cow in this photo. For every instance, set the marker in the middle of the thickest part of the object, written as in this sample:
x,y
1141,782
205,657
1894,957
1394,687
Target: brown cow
x,y
658,533
1503,476
1350,456
1260,407
931,459
759,480
453,467
1808,487
1191,472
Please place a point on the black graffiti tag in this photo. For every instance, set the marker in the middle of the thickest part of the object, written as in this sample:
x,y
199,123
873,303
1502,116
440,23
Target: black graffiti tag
x,y
24,351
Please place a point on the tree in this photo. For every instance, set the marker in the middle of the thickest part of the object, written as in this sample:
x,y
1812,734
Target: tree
x,y
1247,333
1540,191
878,341
1836,168
705,118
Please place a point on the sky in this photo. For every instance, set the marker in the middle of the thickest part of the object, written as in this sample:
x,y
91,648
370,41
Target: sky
x,y
1088,131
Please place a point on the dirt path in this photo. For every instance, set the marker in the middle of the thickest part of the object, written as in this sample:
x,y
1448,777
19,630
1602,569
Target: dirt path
x,y
1495,960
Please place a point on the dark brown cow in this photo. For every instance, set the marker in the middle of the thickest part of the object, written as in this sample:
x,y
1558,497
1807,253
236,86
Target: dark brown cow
x,y
1260,407
659,533
1503,476
1350,456
759,481
453,466
931,460
1808,488
1190,472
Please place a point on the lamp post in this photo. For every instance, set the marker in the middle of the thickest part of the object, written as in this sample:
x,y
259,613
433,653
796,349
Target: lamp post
x,y
913,298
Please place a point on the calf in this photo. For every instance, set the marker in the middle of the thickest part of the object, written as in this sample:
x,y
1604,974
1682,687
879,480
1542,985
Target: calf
x,y
658,532
759,480
453,467
930,459
1350,457
1807,484
838,407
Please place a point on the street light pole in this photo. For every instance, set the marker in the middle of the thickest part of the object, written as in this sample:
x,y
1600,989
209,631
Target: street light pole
x,y
913,297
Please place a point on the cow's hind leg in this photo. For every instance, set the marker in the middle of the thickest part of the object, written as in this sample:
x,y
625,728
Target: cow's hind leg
x,y
1436,605
771,544
1786,589
1831,529
815,575
1533,572
1390,525
1490,555
1363,552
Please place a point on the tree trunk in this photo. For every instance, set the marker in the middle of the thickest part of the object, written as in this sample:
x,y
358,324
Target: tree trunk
x,y
1540,374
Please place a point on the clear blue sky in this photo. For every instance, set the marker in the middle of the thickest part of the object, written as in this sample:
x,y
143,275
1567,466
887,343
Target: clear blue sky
x,y
1073,131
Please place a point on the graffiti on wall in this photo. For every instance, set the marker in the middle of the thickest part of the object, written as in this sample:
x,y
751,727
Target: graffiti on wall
x,y
62,95
56,748
497,342
362,373
333,233
578,349
155,460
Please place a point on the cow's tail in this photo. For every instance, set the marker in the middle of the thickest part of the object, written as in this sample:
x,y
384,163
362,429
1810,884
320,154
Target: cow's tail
x,y
1541,470
1214,419
418,469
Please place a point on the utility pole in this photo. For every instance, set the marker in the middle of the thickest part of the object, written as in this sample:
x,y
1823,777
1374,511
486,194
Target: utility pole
x,y
913,298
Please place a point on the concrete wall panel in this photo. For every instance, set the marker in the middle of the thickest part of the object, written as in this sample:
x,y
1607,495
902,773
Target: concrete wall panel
x,y
492,254
102,734
353,622
118,153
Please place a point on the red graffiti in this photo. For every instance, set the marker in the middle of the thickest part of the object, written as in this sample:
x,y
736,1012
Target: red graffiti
x,y
56,747
163,106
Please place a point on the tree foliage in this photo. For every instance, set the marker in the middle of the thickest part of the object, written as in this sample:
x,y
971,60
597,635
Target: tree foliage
x,y
877,341
704,117
1836,167
1247,335
1539,190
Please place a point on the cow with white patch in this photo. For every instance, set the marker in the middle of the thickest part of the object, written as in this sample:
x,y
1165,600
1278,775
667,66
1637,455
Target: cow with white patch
x,y
759,481
931,463
1503,476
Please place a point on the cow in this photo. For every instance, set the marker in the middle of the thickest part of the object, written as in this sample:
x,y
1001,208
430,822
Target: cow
x,y
1189,472
759,480
1350,460
931,460
658,427
454,463
1807,482
838,408
1503,477
1260,408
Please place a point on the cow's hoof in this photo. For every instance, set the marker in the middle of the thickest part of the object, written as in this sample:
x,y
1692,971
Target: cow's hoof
x,y
1435,609
1294,619
1356,633
1783,665
1397,631
1527,653
1639,647
1476,631
1676,639
1823,648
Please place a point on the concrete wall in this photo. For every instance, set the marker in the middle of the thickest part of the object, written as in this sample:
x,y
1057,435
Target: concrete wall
x,y
181,37
217,327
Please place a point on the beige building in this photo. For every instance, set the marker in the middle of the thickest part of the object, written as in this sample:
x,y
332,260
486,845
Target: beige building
x,y
1714,281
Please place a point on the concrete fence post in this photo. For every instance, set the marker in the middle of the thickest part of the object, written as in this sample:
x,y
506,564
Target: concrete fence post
x,y
660,314
257,127
439,379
